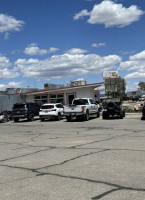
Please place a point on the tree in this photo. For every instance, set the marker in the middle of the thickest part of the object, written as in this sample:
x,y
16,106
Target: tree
x,y
115,87
141,85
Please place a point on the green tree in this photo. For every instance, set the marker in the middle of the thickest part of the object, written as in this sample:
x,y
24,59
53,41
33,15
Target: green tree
x,y
115,87
141,85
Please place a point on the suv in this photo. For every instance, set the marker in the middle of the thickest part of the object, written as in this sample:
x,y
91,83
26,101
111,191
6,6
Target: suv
x,y
113,107
25,110
51,110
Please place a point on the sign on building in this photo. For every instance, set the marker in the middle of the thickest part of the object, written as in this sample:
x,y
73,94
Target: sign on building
x,y
110,74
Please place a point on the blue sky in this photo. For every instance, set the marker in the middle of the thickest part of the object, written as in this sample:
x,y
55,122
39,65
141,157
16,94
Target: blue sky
x,y
55,41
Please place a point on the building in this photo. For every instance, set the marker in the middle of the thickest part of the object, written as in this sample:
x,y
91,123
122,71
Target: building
x,y
11,96
133,94
50,94
63,95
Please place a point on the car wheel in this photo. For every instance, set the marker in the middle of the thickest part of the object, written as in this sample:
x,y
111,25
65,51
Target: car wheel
x,y
111,106
104,116
16,119
59,117
31,117
142,118
98,114
121,115
87,116
68,118
42,120
124,113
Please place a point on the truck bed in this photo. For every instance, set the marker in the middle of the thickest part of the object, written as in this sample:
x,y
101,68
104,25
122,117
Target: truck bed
x,y
73,109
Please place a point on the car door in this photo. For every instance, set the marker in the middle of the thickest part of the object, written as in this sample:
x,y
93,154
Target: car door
x,y
60,108
93,106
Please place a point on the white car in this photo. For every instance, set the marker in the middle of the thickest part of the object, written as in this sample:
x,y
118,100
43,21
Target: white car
x,y
142,98
51,110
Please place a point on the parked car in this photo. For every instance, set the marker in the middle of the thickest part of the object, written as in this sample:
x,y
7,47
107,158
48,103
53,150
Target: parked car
x,y
25,110
51,110
126,98
143,112
81,108
136,98
142,98
113,107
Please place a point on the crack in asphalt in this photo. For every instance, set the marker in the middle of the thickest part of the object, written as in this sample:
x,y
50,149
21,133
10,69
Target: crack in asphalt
x,y
110,128
92,181
105,193
72,159
38,173
99,141
76,147
25,155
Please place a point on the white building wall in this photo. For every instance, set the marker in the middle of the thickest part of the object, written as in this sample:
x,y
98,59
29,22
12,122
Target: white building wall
x,y
79,92
30,98
85,93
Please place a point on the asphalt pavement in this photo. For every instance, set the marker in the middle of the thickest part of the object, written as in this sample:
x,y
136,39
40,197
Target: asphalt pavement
x,y
79,160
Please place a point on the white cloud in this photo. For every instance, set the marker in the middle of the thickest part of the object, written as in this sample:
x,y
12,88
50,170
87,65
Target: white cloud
x,y
96,45
131,86
111,14
81,14
32,50
12,84
9,23
135,75
136,64
66,65
76,51
5,73
4,62
52,49
138,56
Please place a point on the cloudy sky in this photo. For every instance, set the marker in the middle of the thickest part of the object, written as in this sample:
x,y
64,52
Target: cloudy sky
x,y
55,41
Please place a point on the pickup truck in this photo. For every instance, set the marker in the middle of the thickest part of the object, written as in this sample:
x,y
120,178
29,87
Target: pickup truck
x,y
81,108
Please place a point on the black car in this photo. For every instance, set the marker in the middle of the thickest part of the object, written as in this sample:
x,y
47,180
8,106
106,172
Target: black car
x,y
25,110
143,112
113,107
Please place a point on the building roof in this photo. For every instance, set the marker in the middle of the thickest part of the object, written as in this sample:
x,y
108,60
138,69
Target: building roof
x,y
93,85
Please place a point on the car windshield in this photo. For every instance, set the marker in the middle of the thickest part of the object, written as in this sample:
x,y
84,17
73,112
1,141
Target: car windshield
x,y
19,106
47,107
80,102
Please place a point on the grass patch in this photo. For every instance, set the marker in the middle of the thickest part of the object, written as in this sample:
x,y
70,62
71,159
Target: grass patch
x,y
132,111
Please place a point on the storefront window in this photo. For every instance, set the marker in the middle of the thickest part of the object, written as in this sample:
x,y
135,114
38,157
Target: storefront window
x,y
41,99
58,98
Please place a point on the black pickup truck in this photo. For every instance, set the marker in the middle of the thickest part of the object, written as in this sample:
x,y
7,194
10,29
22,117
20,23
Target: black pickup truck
x,y
25,110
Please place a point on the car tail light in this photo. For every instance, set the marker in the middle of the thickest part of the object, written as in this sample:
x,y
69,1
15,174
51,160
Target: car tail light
x,y
82,108
53,109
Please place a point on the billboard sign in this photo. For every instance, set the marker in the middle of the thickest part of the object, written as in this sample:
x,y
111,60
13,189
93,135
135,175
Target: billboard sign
x,y
110,74
111,88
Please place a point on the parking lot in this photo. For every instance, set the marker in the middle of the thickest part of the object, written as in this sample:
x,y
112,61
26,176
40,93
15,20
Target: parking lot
x,y
79,160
